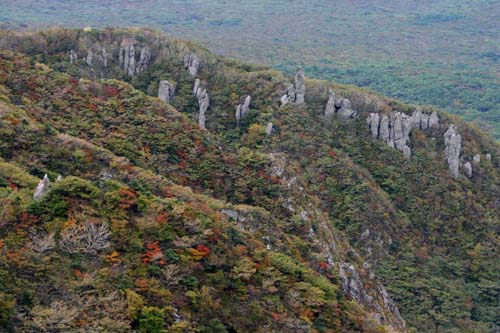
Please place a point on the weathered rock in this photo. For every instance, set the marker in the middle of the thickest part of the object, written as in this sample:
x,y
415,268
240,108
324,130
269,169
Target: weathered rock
x,y
42,188
90,57
166,91
127,56
300,86
488,157
352,283
196,87
453,147
330,105
467,169
434,120
269,128
416,117
73,57
424,124
243,109
407,151
192,63
204,103
284,100
345,110
384,131
374,123
59,178
144,60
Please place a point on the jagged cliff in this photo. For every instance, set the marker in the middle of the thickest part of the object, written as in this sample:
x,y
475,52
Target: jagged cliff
x,y
382,199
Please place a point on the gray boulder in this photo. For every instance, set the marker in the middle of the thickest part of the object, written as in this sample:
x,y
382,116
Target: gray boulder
x,y
243,109
476,160
434,120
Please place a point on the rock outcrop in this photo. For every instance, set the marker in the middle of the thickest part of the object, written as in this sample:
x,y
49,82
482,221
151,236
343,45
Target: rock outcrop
x,y
269,128
196,88
144,60
453,147
467,167
73,57
330,105
127,56
192,63
340,107
488,157
166,91
300,86
42,188
90,57
394,129
204,103
243,109
296,92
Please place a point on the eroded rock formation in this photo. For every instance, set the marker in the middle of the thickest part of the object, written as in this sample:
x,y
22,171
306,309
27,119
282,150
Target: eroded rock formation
x,y
394,128
204,103
300,86
243,109
192,63
340,107
269,128
73,57
166,91
453,147
42,188
127,57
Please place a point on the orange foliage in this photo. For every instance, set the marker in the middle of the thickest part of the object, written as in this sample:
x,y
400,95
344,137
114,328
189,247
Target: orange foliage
x,y
128,198
113,257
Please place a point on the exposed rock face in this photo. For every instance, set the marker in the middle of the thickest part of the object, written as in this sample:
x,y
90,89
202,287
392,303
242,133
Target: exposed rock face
x,y
127,56
90,57
269,129
243,109
166,91
300,86
196,87
73,57
352,284
345,110
144,60
340,107
395,128
204,103
488,157
434,120
453,147
192,63
284,100
330,105
42,188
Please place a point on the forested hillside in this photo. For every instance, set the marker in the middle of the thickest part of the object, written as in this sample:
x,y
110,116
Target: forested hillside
x,y
202,194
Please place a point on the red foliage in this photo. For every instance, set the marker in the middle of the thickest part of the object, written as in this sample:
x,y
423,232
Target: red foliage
x,y
323,265
73,81
203,248
110,91
12,185
153,254
332,153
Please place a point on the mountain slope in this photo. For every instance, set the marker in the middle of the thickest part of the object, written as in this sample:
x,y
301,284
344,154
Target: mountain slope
x,y
421,226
